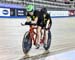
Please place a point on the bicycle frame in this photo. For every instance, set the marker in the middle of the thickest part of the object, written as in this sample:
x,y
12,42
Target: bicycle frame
x,y
32,33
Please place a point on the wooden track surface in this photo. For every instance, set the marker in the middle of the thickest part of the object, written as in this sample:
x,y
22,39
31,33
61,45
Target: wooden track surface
x,y
11,35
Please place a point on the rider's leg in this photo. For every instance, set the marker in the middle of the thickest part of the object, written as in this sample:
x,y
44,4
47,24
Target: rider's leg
x,y
39,34
46,31
42,33
46,36
42,36
38,37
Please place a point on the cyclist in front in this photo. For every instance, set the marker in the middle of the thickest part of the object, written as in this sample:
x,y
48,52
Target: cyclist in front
x,y
44,23
32,15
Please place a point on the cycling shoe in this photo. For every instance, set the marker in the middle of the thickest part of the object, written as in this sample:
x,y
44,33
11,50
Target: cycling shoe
x,y
37,46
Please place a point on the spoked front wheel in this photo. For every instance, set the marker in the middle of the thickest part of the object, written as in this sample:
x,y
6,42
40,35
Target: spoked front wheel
x,y
47,46
27,43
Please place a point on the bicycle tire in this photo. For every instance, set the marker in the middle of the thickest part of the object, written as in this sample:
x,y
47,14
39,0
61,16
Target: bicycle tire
x,y
46,47
27,43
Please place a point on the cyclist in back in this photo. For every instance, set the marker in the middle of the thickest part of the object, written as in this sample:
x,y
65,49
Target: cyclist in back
x,y
44,23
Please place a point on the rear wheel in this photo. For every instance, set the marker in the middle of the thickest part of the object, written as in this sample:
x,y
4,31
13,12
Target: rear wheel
x,y
27,43
47,46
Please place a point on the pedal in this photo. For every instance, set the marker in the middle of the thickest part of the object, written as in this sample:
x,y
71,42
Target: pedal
x,y
41,41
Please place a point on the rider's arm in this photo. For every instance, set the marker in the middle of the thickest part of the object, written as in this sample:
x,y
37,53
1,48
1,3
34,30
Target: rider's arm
x,y
28,19
47,25
48,21
36,14
35,20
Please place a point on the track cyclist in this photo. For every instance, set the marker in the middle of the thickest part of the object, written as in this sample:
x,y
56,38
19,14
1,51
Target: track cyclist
x,y
32,16
44,23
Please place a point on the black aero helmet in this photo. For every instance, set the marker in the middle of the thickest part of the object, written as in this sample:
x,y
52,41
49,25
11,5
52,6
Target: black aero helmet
x,y
44,10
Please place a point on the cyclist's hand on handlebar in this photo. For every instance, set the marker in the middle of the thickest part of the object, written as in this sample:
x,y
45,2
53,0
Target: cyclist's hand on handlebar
x,y
27,23
22,24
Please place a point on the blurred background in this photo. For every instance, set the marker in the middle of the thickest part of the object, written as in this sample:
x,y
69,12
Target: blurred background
x,y
51,5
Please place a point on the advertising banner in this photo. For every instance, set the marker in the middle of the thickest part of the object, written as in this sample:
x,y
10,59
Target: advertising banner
x,y
4,12
58,13
21,12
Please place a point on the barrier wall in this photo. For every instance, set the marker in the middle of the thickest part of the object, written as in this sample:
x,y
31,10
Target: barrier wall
x,y
21,13
62,13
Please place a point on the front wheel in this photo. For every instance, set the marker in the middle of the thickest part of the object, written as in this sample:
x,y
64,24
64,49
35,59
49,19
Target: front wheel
x,y
27,43
47,46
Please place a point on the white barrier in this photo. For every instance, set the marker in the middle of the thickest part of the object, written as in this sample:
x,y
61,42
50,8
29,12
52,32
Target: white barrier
x,y
58,13
61,13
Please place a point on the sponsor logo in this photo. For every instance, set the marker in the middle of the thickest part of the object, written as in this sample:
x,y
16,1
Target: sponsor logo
x,y
20,12
5,12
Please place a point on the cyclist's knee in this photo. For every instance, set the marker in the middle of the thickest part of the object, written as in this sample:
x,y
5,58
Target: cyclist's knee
x,y
47,29
39,28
